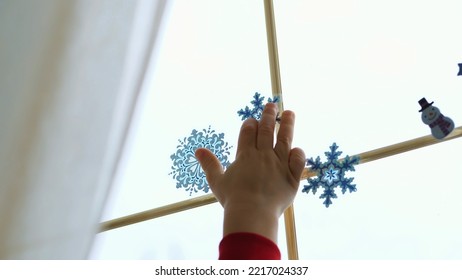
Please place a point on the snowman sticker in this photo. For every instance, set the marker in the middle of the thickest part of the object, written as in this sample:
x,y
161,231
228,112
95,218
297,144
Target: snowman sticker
x,y
440,125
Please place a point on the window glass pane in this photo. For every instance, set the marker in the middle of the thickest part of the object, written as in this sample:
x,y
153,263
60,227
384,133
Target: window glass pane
x,y
354,71
212,60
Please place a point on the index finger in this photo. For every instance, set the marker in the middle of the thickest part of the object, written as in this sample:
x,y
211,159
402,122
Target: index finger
x,y
285,134
247,135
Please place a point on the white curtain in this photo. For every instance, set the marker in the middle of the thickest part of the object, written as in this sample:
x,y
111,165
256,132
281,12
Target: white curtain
x,y
70,73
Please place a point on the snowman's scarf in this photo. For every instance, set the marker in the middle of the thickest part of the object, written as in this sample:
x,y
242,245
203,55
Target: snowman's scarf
x,y
442,124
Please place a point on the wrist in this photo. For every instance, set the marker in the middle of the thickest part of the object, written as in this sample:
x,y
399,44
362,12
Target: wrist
x,y
262,221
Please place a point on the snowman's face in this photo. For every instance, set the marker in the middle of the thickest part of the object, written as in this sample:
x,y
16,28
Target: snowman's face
x,y
430,114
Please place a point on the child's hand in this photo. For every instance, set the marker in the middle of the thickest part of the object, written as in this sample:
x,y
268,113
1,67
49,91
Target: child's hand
x,y
263,180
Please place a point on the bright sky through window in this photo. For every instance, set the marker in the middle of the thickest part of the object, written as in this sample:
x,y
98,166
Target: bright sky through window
x,y
353,72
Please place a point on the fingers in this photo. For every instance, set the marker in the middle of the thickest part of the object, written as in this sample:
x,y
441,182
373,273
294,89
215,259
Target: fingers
x,y
265,136
210,164
247,135
297,162
285,135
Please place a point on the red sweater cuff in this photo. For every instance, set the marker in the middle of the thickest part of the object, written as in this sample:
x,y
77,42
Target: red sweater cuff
x,y
248,246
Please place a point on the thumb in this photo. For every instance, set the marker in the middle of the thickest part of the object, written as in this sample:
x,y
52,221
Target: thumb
x,y
297,162
210,164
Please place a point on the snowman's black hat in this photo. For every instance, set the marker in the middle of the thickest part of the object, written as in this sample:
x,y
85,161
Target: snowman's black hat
x,y
424,104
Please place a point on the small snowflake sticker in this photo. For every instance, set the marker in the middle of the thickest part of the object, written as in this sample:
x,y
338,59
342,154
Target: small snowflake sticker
x,y
258,106
186,168
331,174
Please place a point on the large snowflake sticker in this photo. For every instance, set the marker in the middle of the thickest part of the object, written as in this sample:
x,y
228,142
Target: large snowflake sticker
x,y
258,106
331,174
186,168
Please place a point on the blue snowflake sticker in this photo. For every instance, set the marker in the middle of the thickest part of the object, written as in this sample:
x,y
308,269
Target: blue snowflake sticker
x,y
186,168
257,109
331,174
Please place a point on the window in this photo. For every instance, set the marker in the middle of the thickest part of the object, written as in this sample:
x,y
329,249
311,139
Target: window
x,y
353,72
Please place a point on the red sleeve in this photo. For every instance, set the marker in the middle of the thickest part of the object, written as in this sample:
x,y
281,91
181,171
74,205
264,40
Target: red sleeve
x,y
248,246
